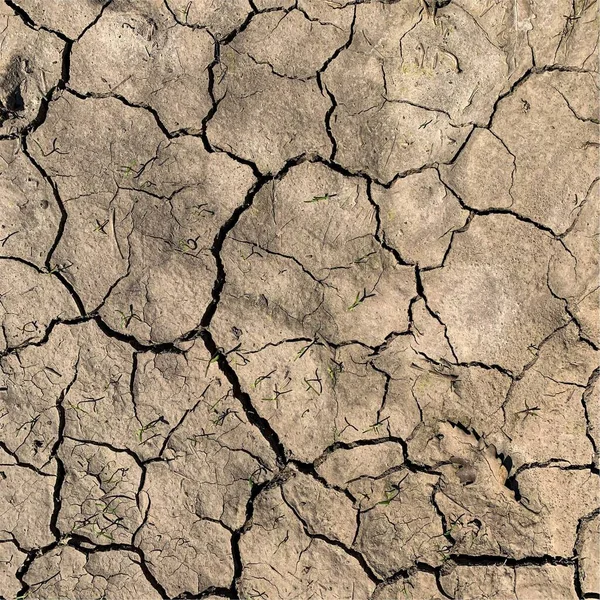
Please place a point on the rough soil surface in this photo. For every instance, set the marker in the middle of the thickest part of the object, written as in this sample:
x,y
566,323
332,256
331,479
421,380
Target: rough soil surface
x,y
299,300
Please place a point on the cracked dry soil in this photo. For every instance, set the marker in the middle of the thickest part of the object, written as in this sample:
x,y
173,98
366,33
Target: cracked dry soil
x,y
299,300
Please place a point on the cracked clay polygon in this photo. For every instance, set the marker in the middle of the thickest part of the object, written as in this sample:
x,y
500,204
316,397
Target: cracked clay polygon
x,y
299,300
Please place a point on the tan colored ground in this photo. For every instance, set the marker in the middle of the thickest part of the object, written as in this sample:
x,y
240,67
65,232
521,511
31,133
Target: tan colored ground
x,y
299,300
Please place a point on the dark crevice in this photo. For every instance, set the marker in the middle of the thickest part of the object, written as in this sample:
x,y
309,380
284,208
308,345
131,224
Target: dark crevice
x,y
484,560
309,469
329,115
21,463
584,398
471,364
219,240
513,485
44,339
251,413
126,102
446,529
106,4
238,566
164,347
209,593
216,249
409,464
60,467
211,92
22,14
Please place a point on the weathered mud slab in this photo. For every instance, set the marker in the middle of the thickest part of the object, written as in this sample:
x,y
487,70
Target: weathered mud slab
x,y
299,299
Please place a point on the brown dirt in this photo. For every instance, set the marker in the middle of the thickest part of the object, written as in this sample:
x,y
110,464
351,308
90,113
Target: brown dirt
x,y
299,300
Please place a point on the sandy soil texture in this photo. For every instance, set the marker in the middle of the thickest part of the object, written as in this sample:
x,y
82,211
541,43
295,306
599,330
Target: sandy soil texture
x,y
299,300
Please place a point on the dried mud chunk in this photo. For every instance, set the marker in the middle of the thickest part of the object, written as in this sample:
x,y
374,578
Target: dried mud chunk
x,y
94,146
446,63
492,293
95,243
475,582
564,33
29,301
323,510
11,560
30,66
422,397
269,4
291,43
393,139
545,416
69,17
554,582
486,519
343,467
281,561
66,573
309,239
29,216
264,118
26,504
313,396
398,102
34,382
188,194
588,564
136,51
400,515
532,582
562,120
92,149
562,498
506,25
220,17
417,586
99,493
482,183
547,121
418,215
98,406
578,279
213,458
186,553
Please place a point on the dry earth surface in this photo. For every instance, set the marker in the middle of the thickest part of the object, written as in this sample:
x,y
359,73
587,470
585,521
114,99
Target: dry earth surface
x,y
299,300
